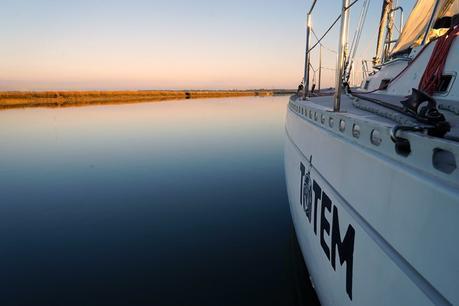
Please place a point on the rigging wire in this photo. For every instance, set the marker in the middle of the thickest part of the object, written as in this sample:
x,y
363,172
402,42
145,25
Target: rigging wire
x,y
328,68
331,27
356,39
321,44
358,33
312,67
398,30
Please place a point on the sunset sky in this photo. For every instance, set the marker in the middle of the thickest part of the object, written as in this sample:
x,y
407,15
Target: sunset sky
x,y
173,44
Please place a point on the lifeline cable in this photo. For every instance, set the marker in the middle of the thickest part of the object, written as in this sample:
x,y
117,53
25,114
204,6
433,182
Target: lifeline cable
x,y
329,29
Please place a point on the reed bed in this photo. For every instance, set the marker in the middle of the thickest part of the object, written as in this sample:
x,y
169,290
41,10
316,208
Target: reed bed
x,y
17,99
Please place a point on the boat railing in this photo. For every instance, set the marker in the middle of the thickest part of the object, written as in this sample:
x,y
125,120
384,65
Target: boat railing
x,y
346,54
389,41
307,59
400,26
341,64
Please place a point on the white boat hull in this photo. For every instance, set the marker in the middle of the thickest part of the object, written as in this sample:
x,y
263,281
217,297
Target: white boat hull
x,y
372,231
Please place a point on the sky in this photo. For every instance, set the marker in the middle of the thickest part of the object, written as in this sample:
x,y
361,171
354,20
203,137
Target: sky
x,y
168,44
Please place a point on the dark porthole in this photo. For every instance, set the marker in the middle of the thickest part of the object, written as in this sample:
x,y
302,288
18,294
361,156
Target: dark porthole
x,y
444,161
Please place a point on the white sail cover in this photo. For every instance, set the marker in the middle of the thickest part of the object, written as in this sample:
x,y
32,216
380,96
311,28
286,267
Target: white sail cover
x,y
416,25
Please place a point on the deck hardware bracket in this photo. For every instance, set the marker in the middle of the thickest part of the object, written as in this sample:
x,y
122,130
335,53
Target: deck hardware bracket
x,y
402,145
423,108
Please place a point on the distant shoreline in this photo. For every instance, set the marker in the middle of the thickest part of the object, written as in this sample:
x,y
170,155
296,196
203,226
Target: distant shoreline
x,y
22,99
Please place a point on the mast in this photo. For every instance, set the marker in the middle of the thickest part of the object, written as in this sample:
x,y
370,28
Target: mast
x,y
320,65
341,54
431,21
389,32
307,55
380,46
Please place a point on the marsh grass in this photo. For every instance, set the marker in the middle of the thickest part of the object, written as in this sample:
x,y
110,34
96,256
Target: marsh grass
x,y
19,99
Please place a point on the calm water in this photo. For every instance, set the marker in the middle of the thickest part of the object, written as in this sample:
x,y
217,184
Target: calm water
x,y
171,203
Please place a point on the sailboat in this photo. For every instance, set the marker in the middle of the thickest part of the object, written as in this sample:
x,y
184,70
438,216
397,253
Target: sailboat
x,y
372,171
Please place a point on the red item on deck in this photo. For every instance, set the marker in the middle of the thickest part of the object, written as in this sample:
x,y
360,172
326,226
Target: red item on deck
x,y
431,78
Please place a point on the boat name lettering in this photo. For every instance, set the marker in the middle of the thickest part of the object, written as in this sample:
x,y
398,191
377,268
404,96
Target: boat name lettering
x,y
311,194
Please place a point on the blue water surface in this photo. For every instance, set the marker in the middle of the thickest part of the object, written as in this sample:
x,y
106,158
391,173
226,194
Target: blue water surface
x,y
163,203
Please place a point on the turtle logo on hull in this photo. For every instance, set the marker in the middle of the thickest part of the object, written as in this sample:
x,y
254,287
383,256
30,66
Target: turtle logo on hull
x,y
306,189
329,229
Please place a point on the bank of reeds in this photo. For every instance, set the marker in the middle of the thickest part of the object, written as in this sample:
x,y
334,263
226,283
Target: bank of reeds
x,y
17,99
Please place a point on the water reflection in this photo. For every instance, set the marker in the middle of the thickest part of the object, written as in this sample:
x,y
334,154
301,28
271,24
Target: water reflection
x,y
166,203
